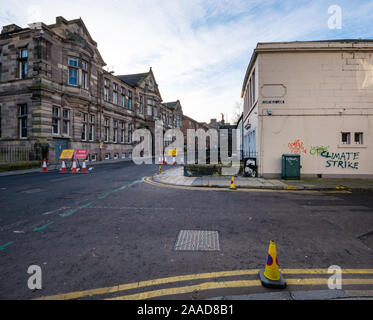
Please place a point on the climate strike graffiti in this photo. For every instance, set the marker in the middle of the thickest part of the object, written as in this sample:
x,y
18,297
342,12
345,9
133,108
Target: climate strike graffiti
x,y
344,160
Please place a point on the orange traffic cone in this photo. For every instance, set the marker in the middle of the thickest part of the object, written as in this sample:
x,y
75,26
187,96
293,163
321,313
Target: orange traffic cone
x,y
271,277
84,168
164,160
63,167
74,167
159,160
173,161
44,167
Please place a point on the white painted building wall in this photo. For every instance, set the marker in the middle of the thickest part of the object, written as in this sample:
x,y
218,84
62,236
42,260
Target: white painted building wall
x,y
309,93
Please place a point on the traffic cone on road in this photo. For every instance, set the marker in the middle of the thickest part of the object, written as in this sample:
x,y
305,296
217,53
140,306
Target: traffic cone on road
x,y
271,277
84,168
44,166
159,160
164,160
63,167
74,167
173,161
232,187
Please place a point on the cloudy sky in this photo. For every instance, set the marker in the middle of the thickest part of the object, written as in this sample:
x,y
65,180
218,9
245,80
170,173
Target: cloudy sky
x,y
199,49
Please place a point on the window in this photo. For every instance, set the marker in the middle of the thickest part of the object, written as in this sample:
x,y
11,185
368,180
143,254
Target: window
x,y
91,134
115,93
84,74
122,130
129,133
123,97
141,105
107,128
65,122
346,138
107,156
56,120
150,84
129,100
84,127
178,120
93,157
358,138
73,72
149,107
22,63
106,89
115,131
155,109
22,121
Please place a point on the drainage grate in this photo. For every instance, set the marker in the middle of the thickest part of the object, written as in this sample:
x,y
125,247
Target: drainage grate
x,y
197,240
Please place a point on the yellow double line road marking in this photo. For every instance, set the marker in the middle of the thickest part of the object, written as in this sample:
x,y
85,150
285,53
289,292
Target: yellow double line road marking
x,y
208,285
230,284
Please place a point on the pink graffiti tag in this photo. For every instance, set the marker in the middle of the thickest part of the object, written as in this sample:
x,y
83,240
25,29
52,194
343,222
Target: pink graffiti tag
x,y
296,147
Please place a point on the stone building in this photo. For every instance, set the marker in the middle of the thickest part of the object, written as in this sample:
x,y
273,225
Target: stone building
x,y
312,98
55,94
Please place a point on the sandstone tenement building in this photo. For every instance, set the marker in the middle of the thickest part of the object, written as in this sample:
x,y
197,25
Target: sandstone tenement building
x,y
55,94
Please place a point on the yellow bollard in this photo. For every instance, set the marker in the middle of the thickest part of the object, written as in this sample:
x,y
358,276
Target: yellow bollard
x,y
160,169
233,187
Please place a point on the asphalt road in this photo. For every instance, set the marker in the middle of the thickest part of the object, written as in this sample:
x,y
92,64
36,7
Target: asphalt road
x,y
109,228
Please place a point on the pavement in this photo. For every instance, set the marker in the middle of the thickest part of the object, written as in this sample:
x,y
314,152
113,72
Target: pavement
x,y
305,295
175,176
111,234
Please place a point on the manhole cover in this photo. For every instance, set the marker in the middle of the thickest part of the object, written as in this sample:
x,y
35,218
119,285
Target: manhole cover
x,y
197,240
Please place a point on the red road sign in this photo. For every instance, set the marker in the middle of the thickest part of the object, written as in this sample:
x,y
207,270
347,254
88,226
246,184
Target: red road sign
x,y
81,154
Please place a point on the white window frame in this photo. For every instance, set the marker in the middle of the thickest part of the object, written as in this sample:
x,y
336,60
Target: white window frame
x,y
66,120
115,131
106,130
84,125
348,135
58,117
91,128
361,138
21,118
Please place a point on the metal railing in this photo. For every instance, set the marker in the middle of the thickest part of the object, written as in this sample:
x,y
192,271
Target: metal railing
x,y
16,153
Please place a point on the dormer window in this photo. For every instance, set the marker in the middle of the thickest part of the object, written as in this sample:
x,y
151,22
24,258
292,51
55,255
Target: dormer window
x,y
150,84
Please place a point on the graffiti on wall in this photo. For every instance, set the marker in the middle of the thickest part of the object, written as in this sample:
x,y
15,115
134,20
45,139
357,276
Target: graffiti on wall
x,y
250,167
297,147
344,160
317,150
